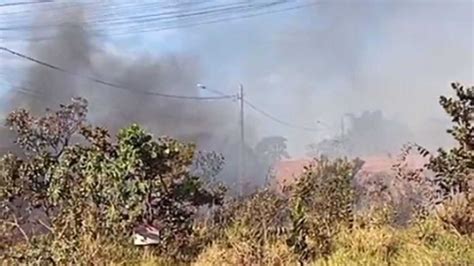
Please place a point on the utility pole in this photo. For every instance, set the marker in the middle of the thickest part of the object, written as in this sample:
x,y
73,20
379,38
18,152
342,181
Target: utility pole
x,y
343,133
241,170
241,167
342,126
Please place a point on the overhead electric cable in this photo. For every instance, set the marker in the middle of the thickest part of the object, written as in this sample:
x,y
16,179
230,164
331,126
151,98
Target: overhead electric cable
x,y
219,20
277,120
143,18
191,23
109,84
166,12
26,3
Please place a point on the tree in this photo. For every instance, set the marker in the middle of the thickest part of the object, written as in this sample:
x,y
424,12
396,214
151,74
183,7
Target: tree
x,y
322,201
102,188
369,133
454,168
270,150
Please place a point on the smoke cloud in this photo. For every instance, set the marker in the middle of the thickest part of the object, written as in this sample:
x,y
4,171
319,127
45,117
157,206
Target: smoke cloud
x,y
343,57
303,66
210,124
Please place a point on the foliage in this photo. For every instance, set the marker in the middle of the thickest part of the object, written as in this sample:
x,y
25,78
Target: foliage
x,y
207,165
270,150
95,190
457,213
424,243
92,252
332,148
418,180
242,253
322,200
103,188
50,133
251,226
369,133
307,216
263,215
455,168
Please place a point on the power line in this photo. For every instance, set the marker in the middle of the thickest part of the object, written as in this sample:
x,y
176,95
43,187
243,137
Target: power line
x,y
209,10
25,14
219,20
146,17
109,84
202,12
26,3
106,5
212,12
110,17
266,114
277,120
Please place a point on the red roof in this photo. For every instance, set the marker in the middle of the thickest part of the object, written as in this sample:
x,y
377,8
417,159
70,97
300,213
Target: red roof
x,y
288,170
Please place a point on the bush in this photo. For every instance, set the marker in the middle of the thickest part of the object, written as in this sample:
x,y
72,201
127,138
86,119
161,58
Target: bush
x,y
322,202
246,228
101,189
458,213
240,253
450,193
305,219
424,243
96,190
454,168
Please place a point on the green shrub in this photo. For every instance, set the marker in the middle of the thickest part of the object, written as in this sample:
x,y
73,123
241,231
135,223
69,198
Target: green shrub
x,y
322,201
454,168
95,190
249,226
99,188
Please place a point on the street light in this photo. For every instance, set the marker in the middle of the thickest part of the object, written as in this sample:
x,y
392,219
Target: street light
x,y
201,86
319,122
240,97
204,87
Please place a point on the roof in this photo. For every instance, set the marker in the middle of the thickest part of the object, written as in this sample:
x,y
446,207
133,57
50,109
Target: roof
x,y
376,164
288,170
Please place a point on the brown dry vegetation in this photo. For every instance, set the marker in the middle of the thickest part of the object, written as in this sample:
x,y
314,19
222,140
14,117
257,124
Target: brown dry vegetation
x,y
95,191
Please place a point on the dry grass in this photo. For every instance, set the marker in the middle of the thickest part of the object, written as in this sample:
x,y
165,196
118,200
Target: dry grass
x,y
444,238
425,243
428,242
246,254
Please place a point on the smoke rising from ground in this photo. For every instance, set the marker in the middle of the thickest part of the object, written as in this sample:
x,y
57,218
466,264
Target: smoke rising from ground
x,y
303,66
348,57
210,124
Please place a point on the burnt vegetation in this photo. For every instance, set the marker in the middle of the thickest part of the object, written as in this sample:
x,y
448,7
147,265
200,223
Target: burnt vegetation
x,y
76,194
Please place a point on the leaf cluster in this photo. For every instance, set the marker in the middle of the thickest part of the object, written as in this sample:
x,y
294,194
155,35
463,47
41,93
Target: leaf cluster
x,y
99,186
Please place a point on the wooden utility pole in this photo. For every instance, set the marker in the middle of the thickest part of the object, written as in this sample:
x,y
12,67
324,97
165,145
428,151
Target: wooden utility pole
x,y
241,167
342,127
241,170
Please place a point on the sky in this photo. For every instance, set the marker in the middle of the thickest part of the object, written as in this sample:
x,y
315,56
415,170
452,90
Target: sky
x,y
315,63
